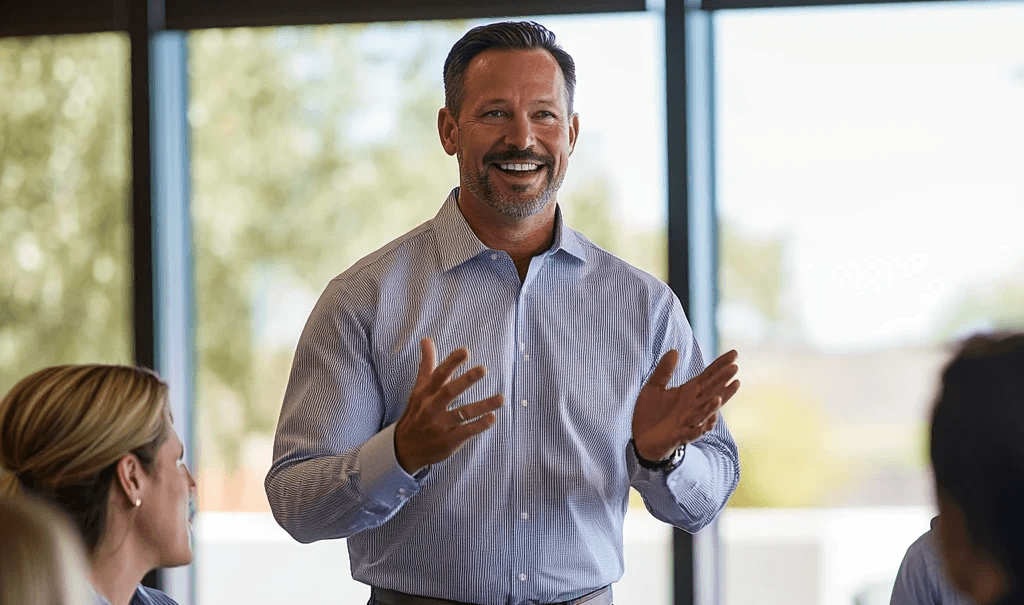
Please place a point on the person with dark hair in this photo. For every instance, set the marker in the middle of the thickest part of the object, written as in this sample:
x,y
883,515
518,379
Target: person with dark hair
x,y
97,442
507,482
921,579
977,454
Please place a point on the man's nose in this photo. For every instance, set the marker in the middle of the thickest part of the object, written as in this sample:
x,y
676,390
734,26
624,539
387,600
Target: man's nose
x,y
520,134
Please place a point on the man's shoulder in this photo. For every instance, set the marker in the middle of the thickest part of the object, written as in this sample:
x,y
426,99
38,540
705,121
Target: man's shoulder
x,y
606,265
409,245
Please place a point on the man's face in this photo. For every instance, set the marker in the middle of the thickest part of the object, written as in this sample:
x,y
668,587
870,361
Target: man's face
x,y
513,136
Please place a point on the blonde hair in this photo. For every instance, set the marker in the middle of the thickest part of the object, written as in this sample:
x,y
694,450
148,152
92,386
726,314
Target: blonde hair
x,y
64,428
42,561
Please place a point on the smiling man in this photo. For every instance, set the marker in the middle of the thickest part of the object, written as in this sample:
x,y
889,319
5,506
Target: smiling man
x,y
506,483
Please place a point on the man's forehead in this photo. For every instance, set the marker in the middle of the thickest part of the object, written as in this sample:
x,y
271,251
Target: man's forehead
x,y
495,67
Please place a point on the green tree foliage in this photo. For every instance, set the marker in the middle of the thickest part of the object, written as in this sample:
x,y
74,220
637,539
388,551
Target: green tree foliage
x,y
284,190
753,273
63,202
784,456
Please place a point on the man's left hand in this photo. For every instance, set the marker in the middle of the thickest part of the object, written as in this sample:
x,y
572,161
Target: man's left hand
x,y
665,419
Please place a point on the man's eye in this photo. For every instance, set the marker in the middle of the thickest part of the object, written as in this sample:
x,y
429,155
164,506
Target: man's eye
x,y
494,113
545,114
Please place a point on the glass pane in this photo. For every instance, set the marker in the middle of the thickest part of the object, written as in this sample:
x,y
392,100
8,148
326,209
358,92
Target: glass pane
x,y
312,147
63,203
870,201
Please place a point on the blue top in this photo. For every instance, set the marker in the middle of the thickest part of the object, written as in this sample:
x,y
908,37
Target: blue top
x,y
532,509
143,596
922,579
150,596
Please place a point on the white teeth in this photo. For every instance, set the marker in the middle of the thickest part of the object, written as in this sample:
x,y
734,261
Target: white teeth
x,y
522,167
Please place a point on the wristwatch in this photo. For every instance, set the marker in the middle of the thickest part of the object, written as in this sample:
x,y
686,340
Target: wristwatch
x,y
666,465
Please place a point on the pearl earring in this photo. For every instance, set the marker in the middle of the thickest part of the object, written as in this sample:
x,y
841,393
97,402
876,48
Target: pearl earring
x,y
138,502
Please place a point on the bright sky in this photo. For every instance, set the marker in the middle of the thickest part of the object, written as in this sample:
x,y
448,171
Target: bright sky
x,y
888,143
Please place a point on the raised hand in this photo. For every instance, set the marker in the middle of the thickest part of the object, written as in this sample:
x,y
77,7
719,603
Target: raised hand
x,y
665,418
429,431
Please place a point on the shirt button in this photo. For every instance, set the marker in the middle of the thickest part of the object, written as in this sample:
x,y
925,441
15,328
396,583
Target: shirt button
x,y
526,357
524,515
494,257
401,490
524,403
522,577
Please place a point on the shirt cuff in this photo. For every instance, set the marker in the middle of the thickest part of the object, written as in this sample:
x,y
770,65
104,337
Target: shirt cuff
x,y
686,479
382,478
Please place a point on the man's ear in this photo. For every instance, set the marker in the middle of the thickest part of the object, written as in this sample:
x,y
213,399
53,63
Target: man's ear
x,y
131,478
574,131
448,130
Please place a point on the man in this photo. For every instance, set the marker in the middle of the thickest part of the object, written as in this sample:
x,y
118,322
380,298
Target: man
x,y
977,452
507,483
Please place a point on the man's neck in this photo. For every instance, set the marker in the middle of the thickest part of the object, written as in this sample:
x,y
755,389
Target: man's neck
x,y
521,238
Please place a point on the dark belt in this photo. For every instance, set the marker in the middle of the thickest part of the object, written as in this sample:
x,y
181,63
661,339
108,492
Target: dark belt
x,y
381,596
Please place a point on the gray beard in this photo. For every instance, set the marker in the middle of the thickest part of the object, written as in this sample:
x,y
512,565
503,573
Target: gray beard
x,y
481,187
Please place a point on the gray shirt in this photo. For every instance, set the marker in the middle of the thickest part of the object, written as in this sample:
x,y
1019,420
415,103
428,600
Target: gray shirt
x,y
922,579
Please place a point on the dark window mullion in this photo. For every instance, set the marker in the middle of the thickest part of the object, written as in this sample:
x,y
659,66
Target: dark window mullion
x,y
692,241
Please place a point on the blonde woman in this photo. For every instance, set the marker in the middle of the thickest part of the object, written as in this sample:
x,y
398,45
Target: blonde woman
x,y
97,441
42,561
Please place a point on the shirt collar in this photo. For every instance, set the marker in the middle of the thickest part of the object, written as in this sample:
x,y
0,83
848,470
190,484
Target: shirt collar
x,y
456,242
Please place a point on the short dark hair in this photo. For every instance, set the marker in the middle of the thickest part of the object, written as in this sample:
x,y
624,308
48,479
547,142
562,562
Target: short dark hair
x,y
977,444
506,35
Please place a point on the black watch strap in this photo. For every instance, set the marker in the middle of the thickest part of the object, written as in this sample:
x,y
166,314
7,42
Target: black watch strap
x,y
665,465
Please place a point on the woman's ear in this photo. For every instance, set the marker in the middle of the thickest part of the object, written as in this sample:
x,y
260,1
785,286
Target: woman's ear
x,y
131,479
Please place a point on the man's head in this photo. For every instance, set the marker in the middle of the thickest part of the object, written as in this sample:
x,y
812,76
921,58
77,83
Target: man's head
x,y
507,35
977,452
508,116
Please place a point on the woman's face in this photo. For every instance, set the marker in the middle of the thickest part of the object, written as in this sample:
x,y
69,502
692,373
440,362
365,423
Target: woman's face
x,y
165,515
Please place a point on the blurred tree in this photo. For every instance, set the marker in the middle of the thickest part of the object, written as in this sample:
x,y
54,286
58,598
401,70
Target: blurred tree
x,y
784,454
63,202
754,282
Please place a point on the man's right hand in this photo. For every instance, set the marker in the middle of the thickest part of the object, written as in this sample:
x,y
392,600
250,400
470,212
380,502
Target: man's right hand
x,y
429,432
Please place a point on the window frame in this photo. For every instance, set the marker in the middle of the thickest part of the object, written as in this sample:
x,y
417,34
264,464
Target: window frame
x,y
162,297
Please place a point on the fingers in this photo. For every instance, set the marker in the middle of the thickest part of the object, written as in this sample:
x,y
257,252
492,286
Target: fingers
x,y
467,430
730,390
442,373
717,381
427,360
709,423
453,388
479,408
723,360
663,372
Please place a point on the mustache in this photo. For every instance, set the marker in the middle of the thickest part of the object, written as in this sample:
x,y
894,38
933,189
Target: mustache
x,y
517,155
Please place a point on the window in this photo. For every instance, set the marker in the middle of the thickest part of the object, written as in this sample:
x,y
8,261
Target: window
x,y
63,203
312,147
870,198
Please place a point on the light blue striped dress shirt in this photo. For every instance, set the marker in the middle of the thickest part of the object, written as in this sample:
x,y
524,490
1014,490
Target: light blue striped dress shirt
x,y
532,509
